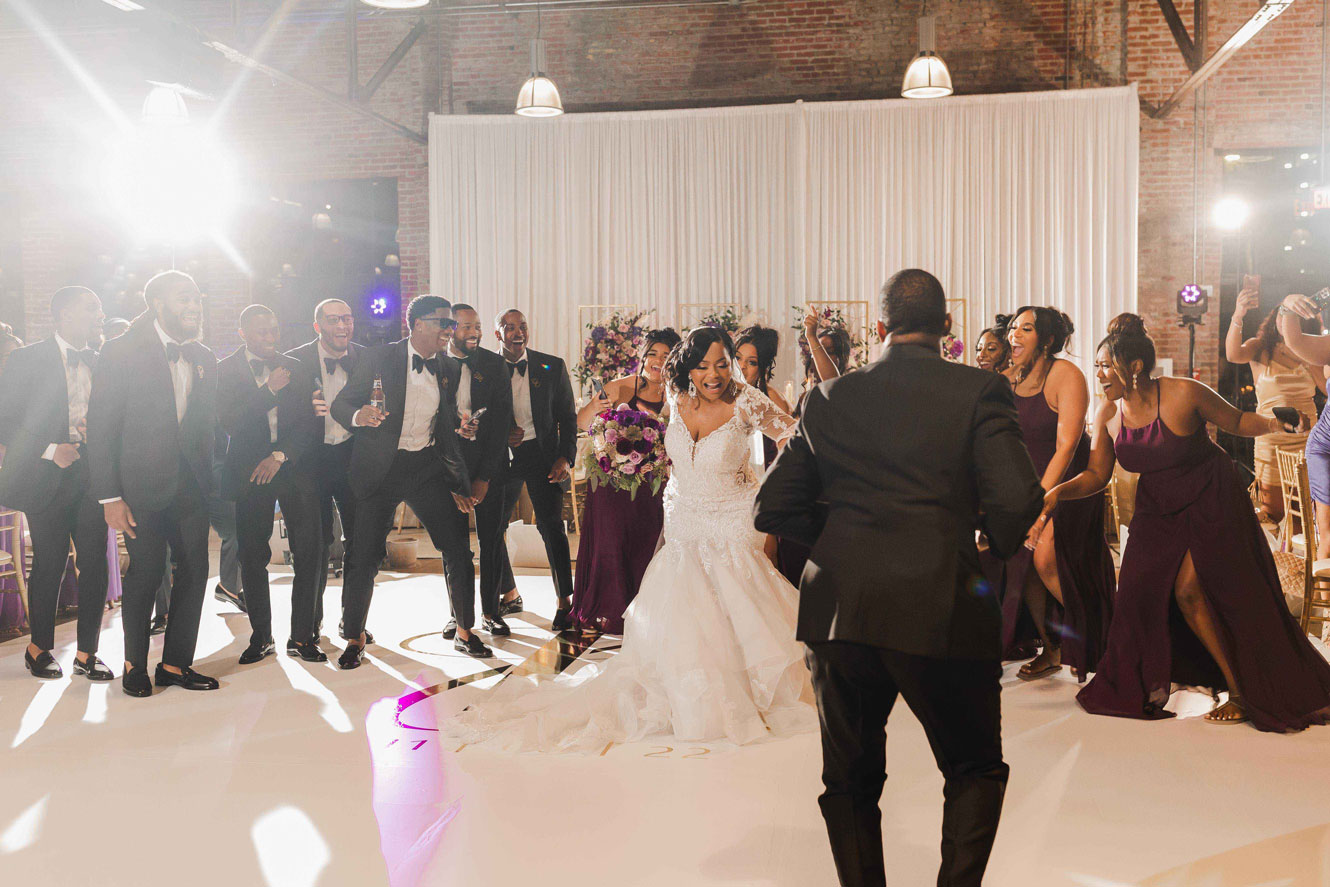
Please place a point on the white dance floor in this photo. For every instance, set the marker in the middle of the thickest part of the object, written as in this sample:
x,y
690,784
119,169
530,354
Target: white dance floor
x,y
299,774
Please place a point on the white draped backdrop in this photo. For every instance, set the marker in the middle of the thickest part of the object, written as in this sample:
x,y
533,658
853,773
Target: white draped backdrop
x,y
1008,199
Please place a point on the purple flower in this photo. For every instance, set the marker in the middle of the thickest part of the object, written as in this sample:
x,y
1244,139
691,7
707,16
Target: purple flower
x,y
624,446
635,458
597,334
630,469
605,463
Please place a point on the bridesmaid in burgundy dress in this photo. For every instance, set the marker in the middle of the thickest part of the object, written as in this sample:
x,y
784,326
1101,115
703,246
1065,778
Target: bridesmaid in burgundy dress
x,y
755,356
1061,590
620,532
992,351
1199,601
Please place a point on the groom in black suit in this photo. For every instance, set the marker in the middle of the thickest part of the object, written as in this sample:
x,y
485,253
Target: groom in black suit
x,y
151,420
890,474
43,411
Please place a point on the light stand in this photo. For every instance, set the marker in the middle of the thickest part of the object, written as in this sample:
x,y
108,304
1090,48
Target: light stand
x,y
1191,323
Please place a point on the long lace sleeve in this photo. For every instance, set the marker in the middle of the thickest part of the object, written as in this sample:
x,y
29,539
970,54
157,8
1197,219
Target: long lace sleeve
x,y
762,415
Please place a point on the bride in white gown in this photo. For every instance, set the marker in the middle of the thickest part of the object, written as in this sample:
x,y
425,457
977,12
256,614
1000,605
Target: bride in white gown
x,y
708,647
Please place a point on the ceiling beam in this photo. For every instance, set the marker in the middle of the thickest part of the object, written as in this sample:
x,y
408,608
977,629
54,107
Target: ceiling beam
x,y
1180,35
392,61
1269,11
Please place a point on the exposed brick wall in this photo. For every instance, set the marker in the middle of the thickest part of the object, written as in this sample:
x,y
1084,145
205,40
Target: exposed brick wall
x,y
758,51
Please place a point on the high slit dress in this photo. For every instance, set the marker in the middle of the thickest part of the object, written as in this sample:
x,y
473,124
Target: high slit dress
x,y
1190,498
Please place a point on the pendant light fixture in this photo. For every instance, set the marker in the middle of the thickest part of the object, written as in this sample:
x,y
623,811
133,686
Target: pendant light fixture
x,y
164,107
539,97
927,77
396,4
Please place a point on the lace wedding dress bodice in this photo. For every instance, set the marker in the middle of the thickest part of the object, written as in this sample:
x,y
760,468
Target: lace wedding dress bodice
x,y
708,647
709,496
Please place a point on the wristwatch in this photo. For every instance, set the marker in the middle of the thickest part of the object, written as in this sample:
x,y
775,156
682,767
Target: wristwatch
x,y
278,456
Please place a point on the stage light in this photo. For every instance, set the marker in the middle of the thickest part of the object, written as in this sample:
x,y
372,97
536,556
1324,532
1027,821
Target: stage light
x,y
168,184
378,306
1230,213
927,76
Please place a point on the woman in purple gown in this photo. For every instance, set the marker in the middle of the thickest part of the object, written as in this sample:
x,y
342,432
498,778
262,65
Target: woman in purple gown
x,y
1199,601
755,352
620,531
1059,591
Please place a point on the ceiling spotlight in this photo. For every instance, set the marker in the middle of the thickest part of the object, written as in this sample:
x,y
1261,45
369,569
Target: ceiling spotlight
x,y
396,4
1230,213
927,77
1288,166
164,106
539,97
1304,157
1232,158
1288,248
1304,184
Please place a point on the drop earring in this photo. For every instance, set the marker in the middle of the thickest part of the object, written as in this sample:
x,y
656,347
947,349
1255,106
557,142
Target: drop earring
x,y
692,390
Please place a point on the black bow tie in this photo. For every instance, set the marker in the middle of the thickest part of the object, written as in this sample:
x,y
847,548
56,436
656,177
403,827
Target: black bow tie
x,y
520,366
173,352
420,364
332,363
257,366
87,357
467,360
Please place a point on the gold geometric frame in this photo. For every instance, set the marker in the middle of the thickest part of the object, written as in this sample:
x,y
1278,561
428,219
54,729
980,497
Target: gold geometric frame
x,y
691,313
960,328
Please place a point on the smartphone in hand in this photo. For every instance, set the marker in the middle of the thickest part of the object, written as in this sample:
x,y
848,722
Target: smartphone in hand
x,y
1288,416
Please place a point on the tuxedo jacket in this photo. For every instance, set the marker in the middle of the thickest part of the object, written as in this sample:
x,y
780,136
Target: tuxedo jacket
x,y
491,387
311,378
374,449
553,408
242,407
34,413
136,447
905,456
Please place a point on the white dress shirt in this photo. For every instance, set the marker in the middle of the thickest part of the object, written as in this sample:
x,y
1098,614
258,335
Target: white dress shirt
x,y
422,405
78,385
182,374
463,386
333,383
522,399
260,380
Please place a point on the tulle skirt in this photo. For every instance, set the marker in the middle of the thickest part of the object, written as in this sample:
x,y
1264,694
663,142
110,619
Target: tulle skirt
x,y
708,655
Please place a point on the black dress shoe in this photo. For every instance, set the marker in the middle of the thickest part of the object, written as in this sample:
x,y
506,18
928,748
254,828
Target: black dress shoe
x,y
135,683
473,647
508,608
450,630
43,665
188,678
341,630
351,657
94,668
308,651
226,596
158,625
563,620
292,648
496,626
257,651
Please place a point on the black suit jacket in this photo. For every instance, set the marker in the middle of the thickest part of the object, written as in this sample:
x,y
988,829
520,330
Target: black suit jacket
x,y
906,454
311,378
242,407
375,448
491,387
34,406
135,444
553,409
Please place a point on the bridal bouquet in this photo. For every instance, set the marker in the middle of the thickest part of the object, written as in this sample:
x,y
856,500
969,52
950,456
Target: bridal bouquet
x,y
627,451
611,347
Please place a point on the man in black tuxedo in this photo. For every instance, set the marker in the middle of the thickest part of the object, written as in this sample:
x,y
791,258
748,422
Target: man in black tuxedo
x,y
483,385
407,451
266,464
44,404
543,443
909,457
327,363
151,419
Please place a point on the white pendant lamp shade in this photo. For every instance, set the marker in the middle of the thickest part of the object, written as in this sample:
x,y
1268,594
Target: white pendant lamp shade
x,y
164,106
396,4
927,77
539,97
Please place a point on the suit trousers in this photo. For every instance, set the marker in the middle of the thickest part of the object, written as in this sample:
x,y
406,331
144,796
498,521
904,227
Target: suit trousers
x,y
419,480
331,466
958,702
183,525
529,468
295,491
70,514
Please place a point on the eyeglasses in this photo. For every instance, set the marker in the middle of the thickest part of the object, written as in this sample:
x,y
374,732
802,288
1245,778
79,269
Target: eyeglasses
x,y
338,318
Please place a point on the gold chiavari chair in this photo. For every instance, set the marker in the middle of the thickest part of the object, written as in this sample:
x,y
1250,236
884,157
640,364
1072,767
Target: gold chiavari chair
x,y
1301,574
11,566
1292,531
